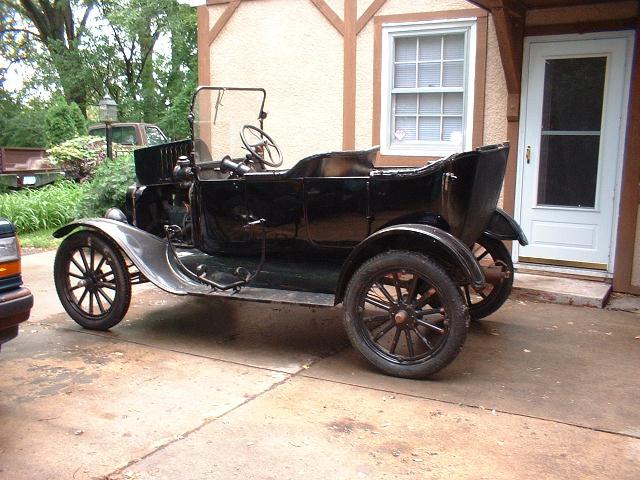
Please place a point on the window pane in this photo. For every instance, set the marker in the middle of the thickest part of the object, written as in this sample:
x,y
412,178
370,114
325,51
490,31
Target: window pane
x,y
451,125
405,129
98,132
573,94
154,136
405,49
430,47
453,75
405,75
430,103
429,75
406,104
124,135
568,171
453,103
453,47
429,128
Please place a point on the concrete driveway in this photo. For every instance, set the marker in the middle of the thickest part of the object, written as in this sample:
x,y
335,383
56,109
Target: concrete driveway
x,y
188,388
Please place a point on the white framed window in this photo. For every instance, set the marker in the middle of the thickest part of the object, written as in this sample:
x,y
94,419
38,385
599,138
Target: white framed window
x,y
428,74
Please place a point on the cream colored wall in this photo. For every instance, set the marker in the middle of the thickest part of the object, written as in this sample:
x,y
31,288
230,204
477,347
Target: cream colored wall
x,y
291,50
296,54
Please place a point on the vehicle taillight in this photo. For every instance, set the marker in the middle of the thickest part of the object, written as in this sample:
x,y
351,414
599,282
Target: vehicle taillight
x,y
9,257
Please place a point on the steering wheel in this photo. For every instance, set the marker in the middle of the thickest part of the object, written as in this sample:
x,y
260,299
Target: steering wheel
x,y
261,146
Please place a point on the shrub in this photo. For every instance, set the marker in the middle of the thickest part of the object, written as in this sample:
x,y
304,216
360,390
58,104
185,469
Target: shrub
x,y
79,157
40,208
108,187
62,122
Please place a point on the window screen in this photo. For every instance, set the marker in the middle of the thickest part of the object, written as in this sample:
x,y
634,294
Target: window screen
x,y
428,88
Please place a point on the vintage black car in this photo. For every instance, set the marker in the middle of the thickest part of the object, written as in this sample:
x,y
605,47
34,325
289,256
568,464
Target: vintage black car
x,y
411,253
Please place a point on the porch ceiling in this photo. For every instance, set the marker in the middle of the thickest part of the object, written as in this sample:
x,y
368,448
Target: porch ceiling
x,y
533,4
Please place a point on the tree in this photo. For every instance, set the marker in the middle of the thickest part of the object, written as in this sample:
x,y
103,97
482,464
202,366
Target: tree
x,y
62,122
56,25
81,47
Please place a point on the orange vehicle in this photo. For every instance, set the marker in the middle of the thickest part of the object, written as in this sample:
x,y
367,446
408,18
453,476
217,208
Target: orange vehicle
x,y
131,133
15,299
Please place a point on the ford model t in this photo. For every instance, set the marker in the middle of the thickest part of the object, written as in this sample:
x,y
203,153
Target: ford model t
x,y
411,253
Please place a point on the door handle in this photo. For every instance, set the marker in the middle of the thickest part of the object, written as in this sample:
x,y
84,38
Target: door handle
x,y
527,154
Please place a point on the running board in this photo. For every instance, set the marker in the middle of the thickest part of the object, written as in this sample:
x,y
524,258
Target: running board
x,y
269,295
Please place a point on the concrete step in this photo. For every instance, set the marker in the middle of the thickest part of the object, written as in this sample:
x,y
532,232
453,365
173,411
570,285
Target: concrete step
x,y
563,291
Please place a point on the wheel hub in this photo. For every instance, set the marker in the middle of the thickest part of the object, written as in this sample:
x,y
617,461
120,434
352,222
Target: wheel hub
x,y
401,317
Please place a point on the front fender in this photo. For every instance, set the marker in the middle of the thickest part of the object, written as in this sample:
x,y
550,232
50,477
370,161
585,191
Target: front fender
x,y
503,227
148,253
442,246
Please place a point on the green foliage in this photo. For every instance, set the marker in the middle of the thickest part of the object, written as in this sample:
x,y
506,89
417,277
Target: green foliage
x,y
21,125
41,208
78,157
62,122
108,187
174,122
78,119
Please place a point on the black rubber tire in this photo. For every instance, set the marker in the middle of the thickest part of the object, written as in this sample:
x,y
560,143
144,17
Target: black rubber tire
x,y
64,270
499,293
446,296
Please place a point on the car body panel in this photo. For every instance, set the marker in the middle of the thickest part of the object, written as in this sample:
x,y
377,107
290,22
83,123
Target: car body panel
x,y
16,300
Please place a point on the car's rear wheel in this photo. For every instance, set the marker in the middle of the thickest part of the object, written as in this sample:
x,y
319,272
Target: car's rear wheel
x,y
490,252
405,315
92,280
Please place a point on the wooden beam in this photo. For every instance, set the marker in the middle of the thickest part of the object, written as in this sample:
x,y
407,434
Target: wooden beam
x,y
630,192
204,51
368,14
222,21
349,75
330,15
510,32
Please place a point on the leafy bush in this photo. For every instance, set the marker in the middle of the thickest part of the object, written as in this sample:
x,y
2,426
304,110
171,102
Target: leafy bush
x,y
41,208
79,157
108,187
62,122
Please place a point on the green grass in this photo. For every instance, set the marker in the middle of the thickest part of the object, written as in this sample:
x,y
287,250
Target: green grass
x,y
44,208
40,239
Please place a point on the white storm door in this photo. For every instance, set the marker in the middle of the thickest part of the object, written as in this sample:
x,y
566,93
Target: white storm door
x,y
571,149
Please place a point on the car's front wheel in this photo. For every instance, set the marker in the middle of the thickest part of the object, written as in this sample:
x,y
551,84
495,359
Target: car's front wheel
x,y
405,315
92,280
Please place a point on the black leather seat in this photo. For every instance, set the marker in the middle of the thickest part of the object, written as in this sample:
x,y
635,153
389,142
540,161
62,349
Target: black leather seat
x,y
357,163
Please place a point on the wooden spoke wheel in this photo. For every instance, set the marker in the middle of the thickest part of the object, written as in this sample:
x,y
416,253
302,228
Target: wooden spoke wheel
x,y
405,314
92,280
490,252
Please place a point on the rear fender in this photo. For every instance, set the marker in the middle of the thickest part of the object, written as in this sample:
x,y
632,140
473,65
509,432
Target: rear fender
x,y
503,227
443,247
150,254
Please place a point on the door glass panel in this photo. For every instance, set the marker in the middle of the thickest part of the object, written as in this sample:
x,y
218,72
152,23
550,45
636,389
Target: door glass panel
x,y
570,137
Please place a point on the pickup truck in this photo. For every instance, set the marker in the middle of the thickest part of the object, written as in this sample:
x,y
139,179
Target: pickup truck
x,y
15,299
132,134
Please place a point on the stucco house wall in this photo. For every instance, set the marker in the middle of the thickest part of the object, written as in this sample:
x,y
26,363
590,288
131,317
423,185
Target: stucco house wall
x,y
289,48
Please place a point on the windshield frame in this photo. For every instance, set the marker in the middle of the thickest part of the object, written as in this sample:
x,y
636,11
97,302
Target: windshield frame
x,y
261,114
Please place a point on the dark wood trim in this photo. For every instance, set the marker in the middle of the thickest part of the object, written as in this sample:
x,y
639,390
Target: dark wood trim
x,y
330,15
589,27
368,14
509,24
222,21
482,34
204,50
349,75
629,193
480,74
